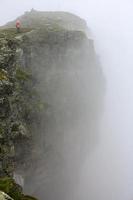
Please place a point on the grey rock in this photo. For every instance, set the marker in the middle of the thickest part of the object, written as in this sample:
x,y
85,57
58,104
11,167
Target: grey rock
x,y
4,196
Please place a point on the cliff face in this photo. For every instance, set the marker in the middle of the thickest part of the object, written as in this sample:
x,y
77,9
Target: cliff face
x,y
16,110
52,90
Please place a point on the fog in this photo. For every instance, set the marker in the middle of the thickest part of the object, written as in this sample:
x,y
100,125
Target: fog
x,y
108,170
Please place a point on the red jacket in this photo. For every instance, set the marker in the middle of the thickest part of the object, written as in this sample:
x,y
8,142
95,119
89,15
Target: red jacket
x,y
18,24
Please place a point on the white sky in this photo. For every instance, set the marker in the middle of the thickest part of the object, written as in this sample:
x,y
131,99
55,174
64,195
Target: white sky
x,y
10,9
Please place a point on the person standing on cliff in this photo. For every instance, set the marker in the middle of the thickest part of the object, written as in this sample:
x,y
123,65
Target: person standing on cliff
x,y
18,26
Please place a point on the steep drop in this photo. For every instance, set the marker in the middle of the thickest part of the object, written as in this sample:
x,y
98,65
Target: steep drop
x,y
67,75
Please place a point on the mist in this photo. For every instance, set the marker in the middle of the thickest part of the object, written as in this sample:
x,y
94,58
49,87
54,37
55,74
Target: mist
x,y
106,172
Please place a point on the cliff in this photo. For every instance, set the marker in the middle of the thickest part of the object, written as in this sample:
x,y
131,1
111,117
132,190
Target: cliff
x,y
51,91
38,19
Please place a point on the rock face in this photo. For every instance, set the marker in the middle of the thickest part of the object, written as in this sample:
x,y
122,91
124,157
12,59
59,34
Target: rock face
x,y
11,191
4,196
16,110
52,91
13,125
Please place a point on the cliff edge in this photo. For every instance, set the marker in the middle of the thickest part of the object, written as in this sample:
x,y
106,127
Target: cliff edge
x,y
51,91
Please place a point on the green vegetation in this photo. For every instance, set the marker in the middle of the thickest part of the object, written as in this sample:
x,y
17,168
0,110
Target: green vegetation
x,y
12,33
8,186
22,75
3,75
19,104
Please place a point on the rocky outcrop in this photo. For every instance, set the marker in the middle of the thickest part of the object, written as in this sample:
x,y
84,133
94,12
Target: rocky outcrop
x,y
11,191
69,78
12,124
52,90
39,19
16,109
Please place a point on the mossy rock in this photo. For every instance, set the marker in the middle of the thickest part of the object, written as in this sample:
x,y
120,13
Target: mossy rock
x,y
3,75
9,186
22,75
2,131
12,33
19,130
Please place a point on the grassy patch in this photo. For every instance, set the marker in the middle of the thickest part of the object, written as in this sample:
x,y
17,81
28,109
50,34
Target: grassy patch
x,y
12,32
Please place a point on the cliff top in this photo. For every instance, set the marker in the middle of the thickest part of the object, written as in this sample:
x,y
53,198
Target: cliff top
x,y
48,21
37,19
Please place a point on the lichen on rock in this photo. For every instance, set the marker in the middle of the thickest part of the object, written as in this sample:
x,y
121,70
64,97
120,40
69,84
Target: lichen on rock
x,y
16,84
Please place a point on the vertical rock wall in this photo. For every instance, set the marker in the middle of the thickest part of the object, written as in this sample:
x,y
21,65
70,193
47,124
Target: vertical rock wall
x,y
69,79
